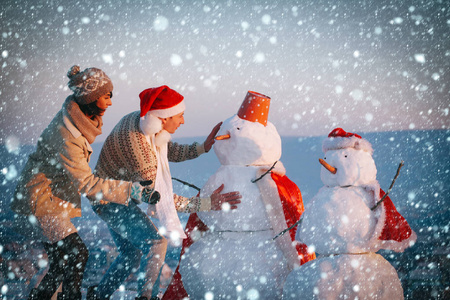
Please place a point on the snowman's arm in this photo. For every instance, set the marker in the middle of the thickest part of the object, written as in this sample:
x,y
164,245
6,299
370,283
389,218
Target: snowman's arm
x,y
191,205
181,152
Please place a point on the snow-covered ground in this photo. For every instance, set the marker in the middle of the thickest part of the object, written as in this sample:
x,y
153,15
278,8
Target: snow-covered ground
x,y
421,194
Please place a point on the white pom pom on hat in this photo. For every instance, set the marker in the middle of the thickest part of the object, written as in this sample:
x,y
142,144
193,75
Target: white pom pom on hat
x,y
150,124
338,138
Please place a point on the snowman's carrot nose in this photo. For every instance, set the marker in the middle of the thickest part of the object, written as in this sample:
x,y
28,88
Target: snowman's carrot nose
x,y
327,166
222,137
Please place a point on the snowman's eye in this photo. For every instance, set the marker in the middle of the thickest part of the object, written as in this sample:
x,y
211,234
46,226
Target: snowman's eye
x,y
324,158
238,128
345,156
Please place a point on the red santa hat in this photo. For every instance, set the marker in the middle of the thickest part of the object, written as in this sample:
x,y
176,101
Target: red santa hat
x,y
340,139
162,102
255,108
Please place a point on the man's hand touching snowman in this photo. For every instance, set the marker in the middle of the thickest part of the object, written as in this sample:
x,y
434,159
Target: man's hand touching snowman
x,y
224,201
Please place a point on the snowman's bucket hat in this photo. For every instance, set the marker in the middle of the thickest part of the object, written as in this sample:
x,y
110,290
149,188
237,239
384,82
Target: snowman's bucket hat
x,y
340,139
255,108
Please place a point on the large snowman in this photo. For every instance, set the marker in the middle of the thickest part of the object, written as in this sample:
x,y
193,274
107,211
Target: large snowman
x,y
341,226
237,257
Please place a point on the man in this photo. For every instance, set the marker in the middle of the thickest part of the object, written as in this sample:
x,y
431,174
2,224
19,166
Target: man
x,y
139,149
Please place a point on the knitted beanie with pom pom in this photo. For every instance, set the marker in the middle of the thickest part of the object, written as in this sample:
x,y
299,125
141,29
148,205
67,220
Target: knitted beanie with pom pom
x,y
89,85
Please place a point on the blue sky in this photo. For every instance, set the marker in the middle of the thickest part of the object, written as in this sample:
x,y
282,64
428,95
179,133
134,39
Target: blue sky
x,y
360,65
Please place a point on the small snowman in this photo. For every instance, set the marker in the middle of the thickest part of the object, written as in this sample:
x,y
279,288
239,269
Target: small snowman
x,y
340,225
237,257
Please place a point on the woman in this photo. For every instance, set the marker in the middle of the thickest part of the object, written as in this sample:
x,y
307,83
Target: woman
x,y
48,194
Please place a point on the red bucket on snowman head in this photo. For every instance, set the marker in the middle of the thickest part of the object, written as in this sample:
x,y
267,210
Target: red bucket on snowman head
x,y
255,108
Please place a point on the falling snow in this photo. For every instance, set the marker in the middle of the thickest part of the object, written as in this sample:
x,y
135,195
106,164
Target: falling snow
x,y
373,67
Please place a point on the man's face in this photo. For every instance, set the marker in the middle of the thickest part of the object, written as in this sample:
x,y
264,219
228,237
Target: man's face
x,y
171,124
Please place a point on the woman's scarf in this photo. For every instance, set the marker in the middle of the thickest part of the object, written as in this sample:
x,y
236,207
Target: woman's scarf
x,y
89,128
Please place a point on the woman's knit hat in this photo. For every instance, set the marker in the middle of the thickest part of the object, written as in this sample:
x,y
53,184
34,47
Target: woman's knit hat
x,y
88,86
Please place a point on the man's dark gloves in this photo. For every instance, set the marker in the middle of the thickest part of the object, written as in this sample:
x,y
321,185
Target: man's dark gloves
x,y
144,191
149,195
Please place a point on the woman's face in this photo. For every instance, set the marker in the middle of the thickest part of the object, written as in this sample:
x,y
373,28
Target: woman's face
x,y
171,124
103,103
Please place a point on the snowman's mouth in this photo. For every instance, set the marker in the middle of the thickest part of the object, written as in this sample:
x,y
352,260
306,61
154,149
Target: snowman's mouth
x,y
327,166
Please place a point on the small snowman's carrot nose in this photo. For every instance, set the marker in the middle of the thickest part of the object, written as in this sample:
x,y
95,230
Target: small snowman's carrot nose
x,y
222,137
327,166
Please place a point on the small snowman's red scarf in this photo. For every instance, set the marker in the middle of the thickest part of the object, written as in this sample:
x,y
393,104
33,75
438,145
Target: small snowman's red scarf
x,y
396,234
291,200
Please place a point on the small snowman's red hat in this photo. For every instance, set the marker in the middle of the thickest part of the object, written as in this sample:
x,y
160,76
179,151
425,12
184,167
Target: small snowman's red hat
x,y
340,139
162,101
255,108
